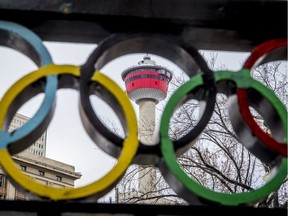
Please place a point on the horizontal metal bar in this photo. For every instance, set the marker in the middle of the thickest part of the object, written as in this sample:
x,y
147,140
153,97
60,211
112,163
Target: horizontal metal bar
x,y
218,24
43,208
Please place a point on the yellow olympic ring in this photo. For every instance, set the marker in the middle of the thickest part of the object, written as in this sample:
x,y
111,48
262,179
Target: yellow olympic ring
x,y
99,187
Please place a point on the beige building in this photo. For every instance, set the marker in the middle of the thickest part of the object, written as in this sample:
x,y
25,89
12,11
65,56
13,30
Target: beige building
x,y
33,163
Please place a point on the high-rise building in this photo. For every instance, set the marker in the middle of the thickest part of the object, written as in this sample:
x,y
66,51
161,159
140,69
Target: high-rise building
x,y
39,146
34,163
146,83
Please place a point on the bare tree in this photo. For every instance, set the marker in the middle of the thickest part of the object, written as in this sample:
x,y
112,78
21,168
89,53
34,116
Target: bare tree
x,y
274,76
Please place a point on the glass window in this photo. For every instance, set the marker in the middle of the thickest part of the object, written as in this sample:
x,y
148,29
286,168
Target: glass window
x,y
23,168
2,181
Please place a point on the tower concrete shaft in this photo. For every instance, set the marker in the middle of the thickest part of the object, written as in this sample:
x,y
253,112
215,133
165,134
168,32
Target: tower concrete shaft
x,y
146,124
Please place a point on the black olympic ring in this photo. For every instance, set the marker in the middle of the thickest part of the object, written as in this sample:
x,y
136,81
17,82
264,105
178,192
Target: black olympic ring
x,y
172,48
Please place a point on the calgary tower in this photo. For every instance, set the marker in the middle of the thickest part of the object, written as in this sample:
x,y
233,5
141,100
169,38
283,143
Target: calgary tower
x,y
146,84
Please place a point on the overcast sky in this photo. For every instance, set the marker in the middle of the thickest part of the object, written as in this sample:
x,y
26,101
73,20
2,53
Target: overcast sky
x,y
66,130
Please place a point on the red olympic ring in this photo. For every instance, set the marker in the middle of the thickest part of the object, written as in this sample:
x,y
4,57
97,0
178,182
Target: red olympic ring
x,y
260,55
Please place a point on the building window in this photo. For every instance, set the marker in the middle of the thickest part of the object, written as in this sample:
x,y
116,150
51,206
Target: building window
x,y
58,178
41,173
19,195
23,168
2,181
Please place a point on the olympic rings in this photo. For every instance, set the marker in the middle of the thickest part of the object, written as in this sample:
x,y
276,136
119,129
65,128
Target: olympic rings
x,y
169,47
22,39
203,86
192,191
97,188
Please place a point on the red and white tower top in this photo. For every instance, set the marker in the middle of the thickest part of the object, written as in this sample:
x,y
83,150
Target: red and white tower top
x,y
147,80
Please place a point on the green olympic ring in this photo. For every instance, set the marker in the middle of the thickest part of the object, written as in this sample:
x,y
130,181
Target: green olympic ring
x,y
176,177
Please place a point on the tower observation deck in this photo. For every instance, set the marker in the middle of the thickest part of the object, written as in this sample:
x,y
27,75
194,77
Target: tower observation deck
x,y
147,80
